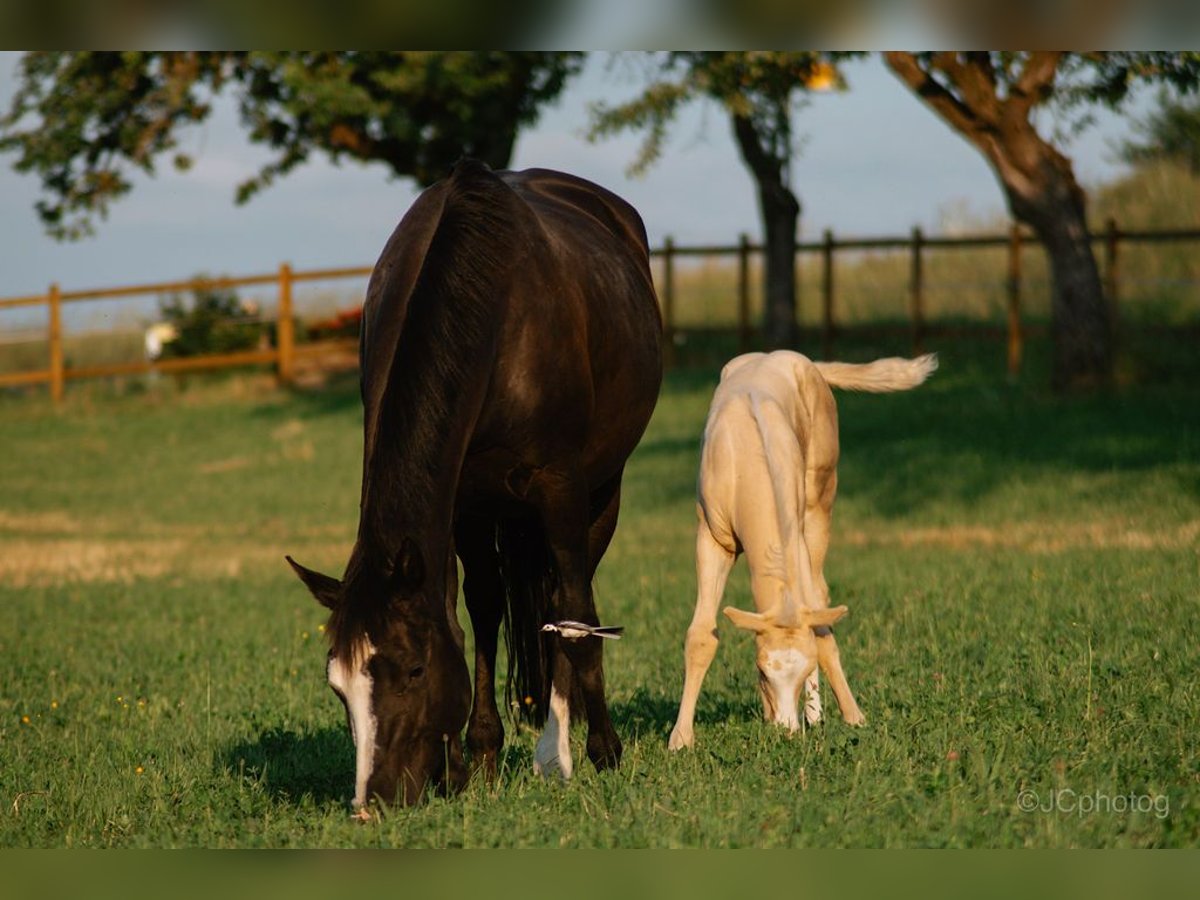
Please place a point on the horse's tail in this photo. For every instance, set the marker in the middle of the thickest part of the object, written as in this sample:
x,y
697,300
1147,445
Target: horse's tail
x,y
880,376
530,579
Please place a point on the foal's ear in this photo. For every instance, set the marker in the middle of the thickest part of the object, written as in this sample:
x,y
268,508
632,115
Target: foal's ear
x,y
816,617
755,622
328,591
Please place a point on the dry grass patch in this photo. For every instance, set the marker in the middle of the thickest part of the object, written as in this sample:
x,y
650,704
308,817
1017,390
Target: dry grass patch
x,y
1035,537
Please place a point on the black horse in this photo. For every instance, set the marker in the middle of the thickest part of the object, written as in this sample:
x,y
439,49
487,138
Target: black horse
x,y
511,358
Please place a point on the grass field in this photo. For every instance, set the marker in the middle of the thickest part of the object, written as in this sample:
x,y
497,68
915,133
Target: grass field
x,y
1022,573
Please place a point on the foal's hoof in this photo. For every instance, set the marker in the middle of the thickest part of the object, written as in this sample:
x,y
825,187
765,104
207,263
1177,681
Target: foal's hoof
x,y
680,740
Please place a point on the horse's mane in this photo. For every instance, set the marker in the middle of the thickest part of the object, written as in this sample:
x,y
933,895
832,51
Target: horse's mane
x,y
427,357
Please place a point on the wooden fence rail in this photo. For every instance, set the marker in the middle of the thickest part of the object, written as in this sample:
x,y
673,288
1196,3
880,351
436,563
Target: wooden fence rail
x,y
917,244
283,354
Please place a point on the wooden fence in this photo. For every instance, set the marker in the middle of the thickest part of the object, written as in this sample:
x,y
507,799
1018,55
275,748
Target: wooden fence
x,y
283,355
917,244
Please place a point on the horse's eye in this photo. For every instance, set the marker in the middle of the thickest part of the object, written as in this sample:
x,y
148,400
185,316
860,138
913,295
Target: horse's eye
x,y
416,672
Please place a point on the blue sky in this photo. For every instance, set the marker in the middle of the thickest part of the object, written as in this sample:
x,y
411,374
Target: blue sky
x,y
873,161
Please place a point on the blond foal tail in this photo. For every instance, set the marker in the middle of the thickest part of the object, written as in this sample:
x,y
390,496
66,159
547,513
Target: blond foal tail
x,y
880,376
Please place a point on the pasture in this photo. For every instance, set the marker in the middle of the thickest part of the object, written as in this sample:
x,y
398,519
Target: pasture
x,y
1022,573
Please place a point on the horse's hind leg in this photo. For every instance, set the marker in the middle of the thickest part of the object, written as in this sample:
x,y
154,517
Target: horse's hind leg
x,y
578,528
484,593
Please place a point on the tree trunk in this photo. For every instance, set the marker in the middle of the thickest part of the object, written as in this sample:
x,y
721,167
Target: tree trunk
x,y
1038,182
779,210
1081,327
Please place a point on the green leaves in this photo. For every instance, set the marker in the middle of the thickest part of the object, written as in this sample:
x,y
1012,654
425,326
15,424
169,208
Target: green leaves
x,y
82,121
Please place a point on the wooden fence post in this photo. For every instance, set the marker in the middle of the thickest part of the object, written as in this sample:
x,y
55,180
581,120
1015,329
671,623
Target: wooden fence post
x,y
284,330
827,295
54,301
1015,338
668,301
743,308
917,288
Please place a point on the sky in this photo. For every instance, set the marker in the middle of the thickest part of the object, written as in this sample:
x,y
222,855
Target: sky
x,y
873,161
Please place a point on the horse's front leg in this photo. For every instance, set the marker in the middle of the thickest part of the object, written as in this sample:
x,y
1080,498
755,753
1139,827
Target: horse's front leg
x,y
483,590
565,508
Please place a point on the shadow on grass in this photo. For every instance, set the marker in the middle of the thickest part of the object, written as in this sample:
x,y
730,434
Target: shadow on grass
x,y
652,712
292,765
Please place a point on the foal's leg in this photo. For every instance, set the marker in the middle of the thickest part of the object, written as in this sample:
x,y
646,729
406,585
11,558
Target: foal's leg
x,y
831,663
564,504
484,592
713,563
821,489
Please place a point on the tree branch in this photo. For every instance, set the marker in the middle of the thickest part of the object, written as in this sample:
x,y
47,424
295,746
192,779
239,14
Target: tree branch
x,y
1035,80
960,117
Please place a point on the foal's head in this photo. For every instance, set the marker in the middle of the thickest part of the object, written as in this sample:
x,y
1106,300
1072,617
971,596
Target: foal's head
x,y
787,653
398,670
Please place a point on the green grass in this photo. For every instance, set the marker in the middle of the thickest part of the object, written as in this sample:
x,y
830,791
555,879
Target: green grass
x,y
1022,574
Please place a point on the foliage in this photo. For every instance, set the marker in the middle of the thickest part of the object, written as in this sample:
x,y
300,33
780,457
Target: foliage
x,y
215,321
345,323
760,91
84,121
1020,571
1170,132
765,87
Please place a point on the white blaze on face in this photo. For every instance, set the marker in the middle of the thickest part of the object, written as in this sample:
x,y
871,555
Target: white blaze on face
x,y
784,671
354,685
553,751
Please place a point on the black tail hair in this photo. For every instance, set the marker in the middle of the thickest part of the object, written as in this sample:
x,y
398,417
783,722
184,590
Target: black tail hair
x,y
530,579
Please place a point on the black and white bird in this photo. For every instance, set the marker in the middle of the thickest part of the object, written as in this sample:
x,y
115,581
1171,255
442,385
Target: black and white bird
x,y
573,631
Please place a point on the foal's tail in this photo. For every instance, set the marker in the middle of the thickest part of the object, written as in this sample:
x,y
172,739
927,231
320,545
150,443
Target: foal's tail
x,y
530,579
880,376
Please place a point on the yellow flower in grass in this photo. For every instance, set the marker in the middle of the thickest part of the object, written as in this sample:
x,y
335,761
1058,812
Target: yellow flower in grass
x,y
139,770
24,720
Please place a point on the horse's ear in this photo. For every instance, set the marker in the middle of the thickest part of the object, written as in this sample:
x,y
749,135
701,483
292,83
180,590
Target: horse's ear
x,y
328,591
408,571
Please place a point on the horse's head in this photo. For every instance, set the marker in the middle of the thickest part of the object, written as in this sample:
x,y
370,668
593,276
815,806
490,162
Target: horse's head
x,y
397,668
787,653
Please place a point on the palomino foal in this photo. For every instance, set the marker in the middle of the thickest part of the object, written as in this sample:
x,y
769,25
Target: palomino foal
x,y
768,477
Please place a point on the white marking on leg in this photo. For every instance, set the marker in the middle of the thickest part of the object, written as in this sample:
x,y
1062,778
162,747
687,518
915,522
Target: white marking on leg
x,y
553,752
354,684
784,671
812,698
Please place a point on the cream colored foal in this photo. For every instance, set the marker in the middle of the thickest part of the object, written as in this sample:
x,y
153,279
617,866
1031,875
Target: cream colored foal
x,y
768,477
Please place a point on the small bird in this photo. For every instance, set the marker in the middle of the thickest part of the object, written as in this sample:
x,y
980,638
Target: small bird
x,y
573,631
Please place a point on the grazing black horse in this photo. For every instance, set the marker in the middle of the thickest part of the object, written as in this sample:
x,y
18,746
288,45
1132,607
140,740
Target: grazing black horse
x,y
511,358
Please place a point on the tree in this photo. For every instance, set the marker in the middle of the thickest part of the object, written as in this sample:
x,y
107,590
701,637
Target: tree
x,y
82,121
760,91
991,99
1171,131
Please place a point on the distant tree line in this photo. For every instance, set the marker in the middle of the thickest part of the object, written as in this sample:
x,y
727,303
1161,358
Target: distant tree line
x,y
84,121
